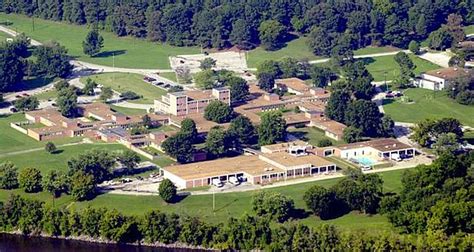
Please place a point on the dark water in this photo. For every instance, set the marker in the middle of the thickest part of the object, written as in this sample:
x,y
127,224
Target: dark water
x,y
14,243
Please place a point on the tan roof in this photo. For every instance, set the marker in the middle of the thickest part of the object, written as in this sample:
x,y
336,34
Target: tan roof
x,y
202,124
293,83
284,146
295,118
382,144
285,159
330,125
449,73
251,165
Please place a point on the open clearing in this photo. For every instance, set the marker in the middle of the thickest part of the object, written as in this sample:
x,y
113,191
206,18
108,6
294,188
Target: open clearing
x,y
129,52
377,66
122,82
427,104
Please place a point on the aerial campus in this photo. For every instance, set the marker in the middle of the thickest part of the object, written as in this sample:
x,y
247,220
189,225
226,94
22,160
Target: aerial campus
x,y
274,125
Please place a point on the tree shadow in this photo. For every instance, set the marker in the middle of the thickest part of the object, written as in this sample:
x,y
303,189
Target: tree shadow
x,y
179,197
57,152
367,61
300,135
387,101
226,205
32,84
5,104
284,43
107,54
299,214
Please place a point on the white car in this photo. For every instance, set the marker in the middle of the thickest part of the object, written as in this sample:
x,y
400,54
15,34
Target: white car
x,y
234,180
366,168
217,183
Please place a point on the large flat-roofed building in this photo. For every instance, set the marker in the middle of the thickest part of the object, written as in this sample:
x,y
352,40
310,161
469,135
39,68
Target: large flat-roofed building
x,y
191,102
262,168
379,149
440,78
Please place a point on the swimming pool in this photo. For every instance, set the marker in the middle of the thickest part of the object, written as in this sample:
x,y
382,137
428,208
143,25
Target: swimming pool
x,y
366,161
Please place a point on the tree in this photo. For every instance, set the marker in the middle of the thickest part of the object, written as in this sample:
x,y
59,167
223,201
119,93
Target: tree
x,y
89,87
273,205
426,132
414,47
98,163
454,27
93,43
20,45
266,82
321,41
239,89
8,176
272,128
67,102
320,200
129,159
364,115
106,93
241,34
11,67
269,68
27,103
446,142
50,147
180,147
218,112
243,129
456,61
219,142
60,85
289,67
30,180
320,76
406,69
56,183
207,63
352,135
52,60
324,142
271,34
188,128
206,79
83,186
167,190
440,39
337,105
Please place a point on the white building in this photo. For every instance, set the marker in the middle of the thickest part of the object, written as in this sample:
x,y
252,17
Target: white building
x,y
439,79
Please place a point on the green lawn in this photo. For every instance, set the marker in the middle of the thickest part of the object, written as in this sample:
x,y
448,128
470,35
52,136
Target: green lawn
x,y
377,66
375,49
129,52
428,104
128,111
3,37
45,161
312,135
122,82
50,94
12,140
169,76
296,49
469,29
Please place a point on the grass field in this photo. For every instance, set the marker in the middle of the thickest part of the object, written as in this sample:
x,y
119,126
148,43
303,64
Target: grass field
x,y
377,66
50,94
229,204
312,135
12,140
122,82
129,52
428,104
46,162
169,76
375,49
3,37
469,29
128,111
296,48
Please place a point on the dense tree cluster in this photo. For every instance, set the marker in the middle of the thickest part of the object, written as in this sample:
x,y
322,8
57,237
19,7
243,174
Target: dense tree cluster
x,y
436,199
427,132
32,217
218,112
333,26
462,90
272,128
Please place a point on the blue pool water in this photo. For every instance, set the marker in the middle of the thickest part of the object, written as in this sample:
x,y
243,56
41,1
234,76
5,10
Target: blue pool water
x,y
366,161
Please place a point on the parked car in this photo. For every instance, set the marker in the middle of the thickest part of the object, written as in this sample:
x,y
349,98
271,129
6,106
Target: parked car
x,y
13,110
217,183
148,79
234,180
366,168
25,95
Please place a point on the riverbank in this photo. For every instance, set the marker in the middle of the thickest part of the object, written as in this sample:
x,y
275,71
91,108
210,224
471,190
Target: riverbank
x,y
16,241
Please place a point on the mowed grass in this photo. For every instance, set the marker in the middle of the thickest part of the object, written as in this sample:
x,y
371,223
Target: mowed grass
x,y
296,48
378,66
46,162
129,52
312,135
12,140
122,82
3,37
375,49
128,111
236,204
469,29
428,104
169,76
